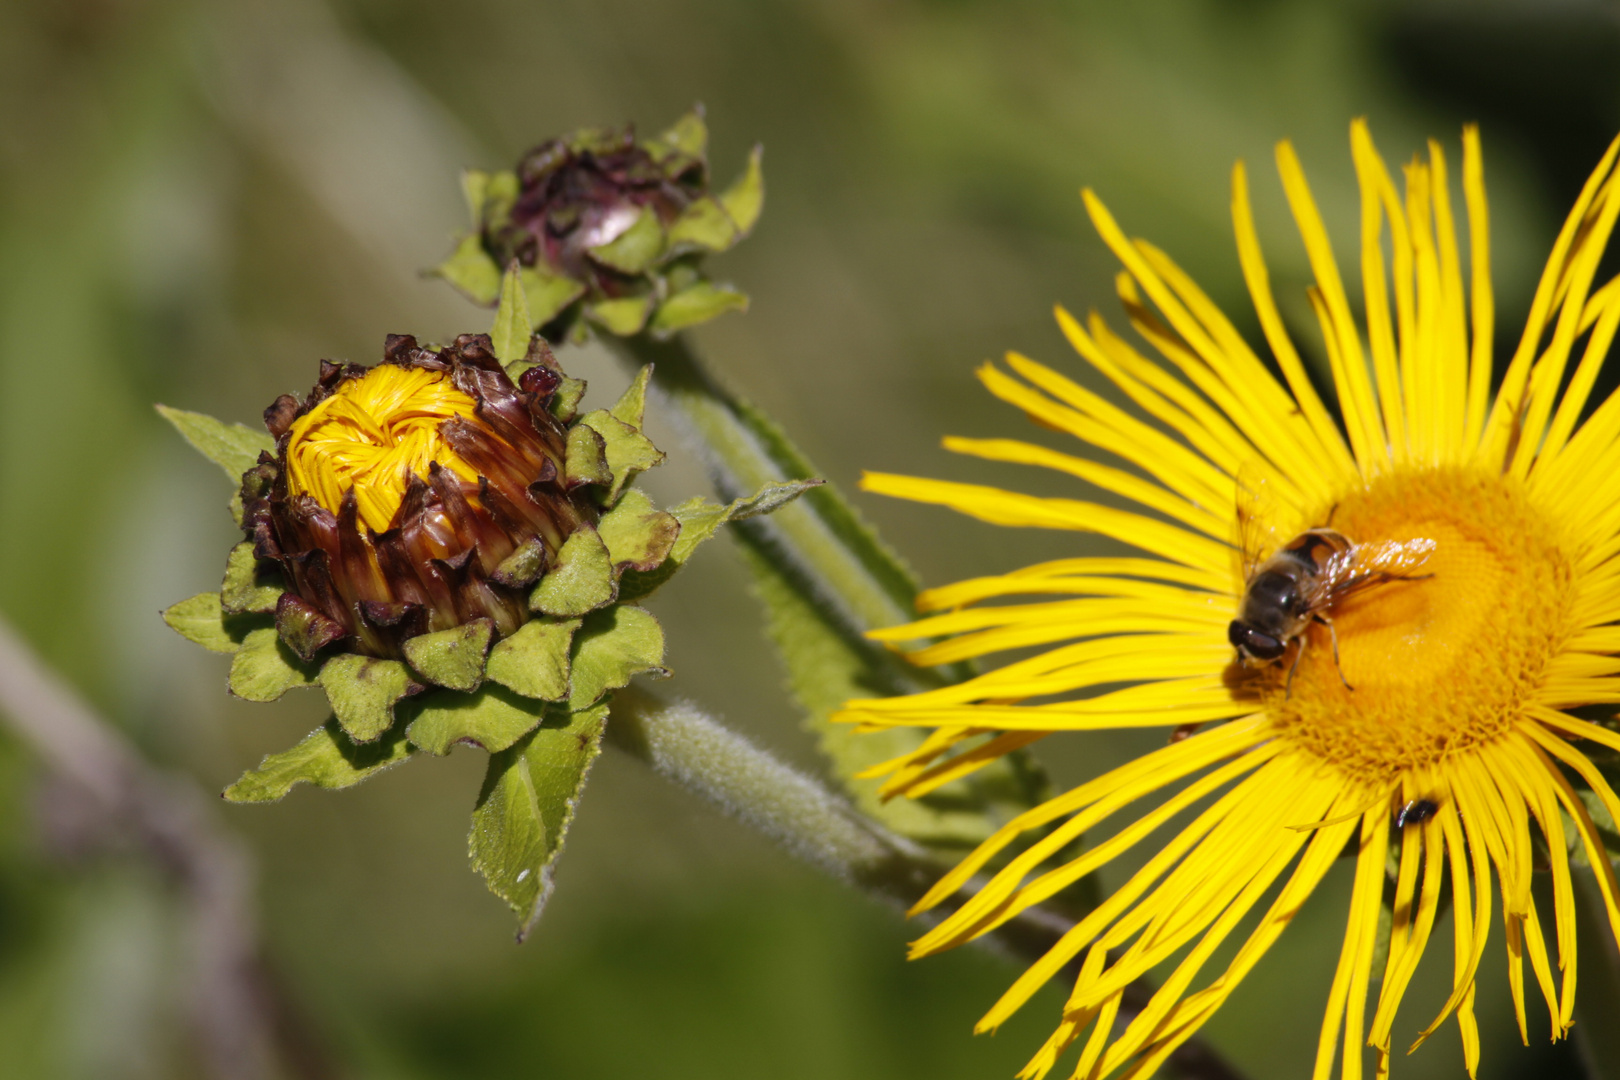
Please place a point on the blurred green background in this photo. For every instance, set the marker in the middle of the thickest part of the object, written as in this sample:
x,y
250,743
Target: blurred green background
x,y
199,200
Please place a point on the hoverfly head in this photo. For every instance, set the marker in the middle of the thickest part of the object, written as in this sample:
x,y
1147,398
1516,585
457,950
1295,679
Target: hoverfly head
x,y
1252,644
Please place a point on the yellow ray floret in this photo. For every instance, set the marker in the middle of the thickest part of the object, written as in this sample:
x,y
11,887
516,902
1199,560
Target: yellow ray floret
x,y
1420,716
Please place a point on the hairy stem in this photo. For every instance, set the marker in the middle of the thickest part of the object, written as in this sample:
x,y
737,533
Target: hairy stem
x,y
859,580
685,745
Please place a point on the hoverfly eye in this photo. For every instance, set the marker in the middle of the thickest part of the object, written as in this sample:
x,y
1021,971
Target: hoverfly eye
x,y
1251,642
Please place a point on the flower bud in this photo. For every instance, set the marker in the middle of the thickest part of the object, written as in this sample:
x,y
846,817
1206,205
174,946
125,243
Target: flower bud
x,y
415,496
608,230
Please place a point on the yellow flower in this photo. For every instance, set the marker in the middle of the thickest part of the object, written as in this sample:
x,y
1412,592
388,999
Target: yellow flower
x,y
1458,741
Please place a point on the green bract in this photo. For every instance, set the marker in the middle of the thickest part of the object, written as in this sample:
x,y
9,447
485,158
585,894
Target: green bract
x,y
607,231
536,696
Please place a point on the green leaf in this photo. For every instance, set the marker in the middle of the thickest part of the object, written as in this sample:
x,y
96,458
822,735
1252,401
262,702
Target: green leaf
x,y
628,452
631,408
202,620
233,447
696,304
745,198
452,658
581,581
623,317
475,188
534,660
638,536
470,269
242,591
565,402
548,293
523,567
362,691
526,806
493,718
825,668
509,336
703,226
500,192
613,646
689,134
633,250
586,458
264,668
699,519
826,578
326,758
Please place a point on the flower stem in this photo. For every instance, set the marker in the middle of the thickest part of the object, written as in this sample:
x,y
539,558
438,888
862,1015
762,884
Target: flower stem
x,y
685,745
852,574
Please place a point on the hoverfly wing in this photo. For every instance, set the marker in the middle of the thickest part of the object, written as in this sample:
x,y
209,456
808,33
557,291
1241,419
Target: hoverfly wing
x,y
1257,536
1393,558
1365,565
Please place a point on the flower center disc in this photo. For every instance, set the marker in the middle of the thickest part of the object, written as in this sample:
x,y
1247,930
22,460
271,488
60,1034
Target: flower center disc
x,y
373,434
1438,663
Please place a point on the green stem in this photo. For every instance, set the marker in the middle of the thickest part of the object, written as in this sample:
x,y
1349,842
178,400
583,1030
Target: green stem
x,y
856,579
684,745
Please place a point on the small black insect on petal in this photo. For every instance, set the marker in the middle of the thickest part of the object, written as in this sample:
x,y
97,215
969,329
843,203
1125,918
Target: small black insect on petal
x,y
1416,812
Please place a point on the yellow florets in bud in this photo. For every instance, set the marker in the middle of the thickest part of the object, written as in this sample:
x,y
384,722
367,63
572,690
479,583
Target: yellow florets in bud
x,y
372,436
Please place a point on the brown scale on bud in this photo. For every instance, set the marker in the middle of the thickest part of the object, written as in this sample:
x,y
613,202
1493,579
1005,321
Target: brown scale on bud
x,y
411,497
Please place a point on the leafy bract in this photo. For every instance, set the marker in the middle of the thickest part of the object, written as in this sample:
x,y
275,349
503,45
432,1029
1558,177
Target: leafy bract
x,y
613,646
699,518
525,808
233,447
362,691
264,667
494,718
325,758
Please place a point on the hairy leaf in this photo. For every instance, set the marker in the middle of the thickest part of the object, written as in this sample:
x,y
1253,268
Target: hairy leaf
x,y
638,535
201,620
325,758
548,293
628,451
264,668
581,581
493,718
825,668
454,657
470,269
362,691
534,661
635,249
699,518
233,447
613,646
696,304
509,336
525,808
245,589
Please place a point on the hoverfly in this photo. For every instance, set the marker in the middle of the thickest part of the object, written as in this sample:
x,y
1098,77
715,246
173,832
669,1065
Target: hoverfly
x,y
1416,812
1300,581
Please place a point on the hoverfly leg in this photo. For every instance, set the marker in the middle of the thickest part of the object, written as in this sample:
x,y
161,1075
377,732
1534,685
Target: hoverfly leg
x,y
1333,633
1288,686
